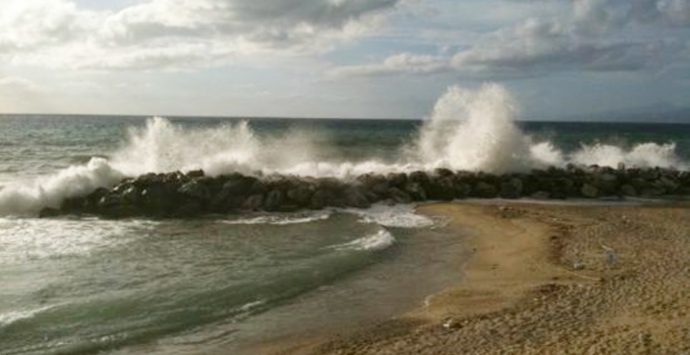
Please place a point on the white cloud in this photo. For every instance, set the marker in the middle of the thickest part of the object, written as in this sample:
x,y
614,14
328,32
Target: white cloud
x,y
592,39
176,33
399,63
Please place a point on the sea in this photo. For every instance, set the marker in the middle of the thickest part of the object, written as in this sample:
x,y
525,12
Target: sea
x,y
228,283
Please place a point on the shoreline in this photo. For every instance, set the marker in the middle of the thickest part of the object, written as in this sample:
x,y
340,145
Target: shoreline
x,y
547,279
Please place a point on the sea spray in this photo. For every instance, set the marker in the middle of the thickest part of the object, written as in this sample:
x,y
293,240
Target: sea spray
x,y
475,130
472,130
25,198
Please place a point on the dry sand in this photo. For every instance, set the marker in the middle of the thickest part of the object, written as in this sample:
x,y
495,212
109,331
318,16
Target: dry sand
x,y
548,279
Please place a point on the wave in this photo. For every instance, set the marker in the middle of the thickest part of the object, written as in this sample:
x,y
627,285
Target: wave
x,y
468,130
281,219
15,316
378,241
399,216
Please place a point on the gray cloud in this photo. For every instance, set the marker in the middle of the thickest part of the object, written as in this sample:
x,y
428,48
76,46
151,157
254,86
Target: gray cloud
x,y
169,33
593,39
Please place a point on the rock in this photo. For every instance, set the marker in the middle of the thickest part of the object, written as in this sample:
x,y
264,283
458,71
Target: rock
x,y
253,202
628,190
399,196
74,204
49,212
274,200
194,189
397,180
195,174
356,197
462,190
321,199
300,195
419,177
442,172
511,188
157,200
416,191
589,191
441,188
484,190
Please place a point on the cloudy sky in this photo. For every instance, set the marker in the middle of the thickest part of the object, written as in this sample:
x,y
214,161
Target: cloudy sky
x,y
339,58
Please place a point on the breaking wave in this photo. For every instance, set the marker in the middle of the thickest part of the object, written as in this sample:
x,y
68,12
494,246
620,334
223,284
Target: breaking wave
x,y
467,130
380,240
280,219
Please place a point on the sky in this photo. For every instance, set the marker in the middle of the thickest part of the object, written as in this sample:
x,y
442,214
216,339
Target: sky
x,y
340,58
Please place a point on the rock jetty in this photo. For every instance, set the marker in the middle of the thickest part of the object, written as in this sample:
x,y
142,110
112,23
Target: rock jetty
x,y
190,194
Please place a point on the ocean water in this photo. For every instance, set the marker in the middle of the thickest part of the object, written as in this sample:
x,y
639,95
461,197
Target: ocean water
x,y
215,284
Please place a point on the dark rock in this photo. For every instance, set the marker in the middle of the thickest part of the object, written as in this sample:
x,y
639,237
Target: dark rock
x,y
49,212
416,191
253,202
356,197
74,204
195,174
441,188
274,200
442,172
589,191
397,180
462,190
189,208
300,195
484,190
321,199
196,190
628,190
399,196
511,188
419,177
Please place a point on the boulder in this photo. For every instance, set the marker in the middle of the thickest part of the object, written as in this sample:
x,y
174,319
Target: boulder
x,y
511,188
356,197
49,212
397,180
274,200
484,190
415,190
628,190
441,188
195,190
300,195
589,191
253,202
195,174
399,196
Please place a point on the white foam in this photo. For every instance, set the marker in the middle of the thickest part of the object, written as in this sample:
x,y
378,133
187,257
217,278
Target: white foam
x,y
14,316
28,198
282,219
380,240
641,155
398,216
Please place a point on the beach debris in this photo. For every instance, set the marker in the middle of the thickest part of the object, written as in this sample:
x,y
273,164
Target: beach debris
x,y
451,323
610,255
578,265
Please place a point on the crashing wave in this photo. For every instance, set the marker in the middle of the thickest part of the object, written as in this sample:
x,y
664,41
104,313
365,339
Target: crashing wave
x,y
471,130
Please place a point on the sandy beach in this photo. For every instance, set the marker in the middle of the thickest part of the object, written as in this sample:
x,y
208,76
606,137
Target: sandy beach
x,y
549,279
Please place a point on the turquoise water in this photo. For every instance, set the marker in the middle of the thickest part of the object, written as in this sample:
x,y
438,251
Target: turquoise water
x,y
83,285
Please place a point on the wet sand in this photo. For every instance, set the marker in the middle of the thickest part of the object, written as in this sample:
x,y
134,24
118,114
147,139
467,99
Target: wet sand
x,y
548,279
